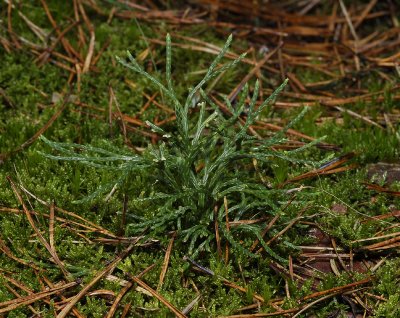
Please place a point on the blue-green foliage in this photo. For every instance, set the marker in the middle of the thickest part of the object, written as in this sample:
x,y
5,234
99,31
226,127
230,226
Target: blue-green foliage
x,y
203,159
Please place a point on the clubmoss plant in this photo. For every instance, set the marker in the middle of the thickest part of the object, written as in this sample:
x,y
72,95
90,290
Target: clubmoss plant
x,y
201,162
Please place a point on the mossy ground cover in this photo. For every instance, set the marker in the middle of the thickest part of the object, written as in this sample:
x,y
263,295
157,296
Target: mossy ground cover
x,y
338,206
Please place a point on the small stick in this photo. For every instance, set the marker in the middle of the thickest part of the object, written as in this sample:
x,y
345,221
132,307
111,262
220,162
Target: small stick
x,y
216,228
31,140
97,278
110,101
74,310
42,58
227,229
12,290
89,25
96,227
51,226
348,20
364,13
265,231
123,292
120,115
337,289
308,306
36,230
9,25
171,307
78,79
26,300
255,69
123,218
81,35
271,223
4,248
148,103
127,307
118,299
101,51
67,46
190,306
164,267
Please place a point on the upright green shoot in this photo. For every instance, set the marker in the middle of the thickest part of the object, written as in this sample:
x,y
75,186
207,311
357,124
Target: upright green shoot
x,y
198,163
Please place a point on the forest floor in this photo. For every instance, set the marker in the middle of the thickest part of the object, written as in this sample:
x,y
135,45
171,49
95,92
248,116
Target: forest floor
x,y
319,233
